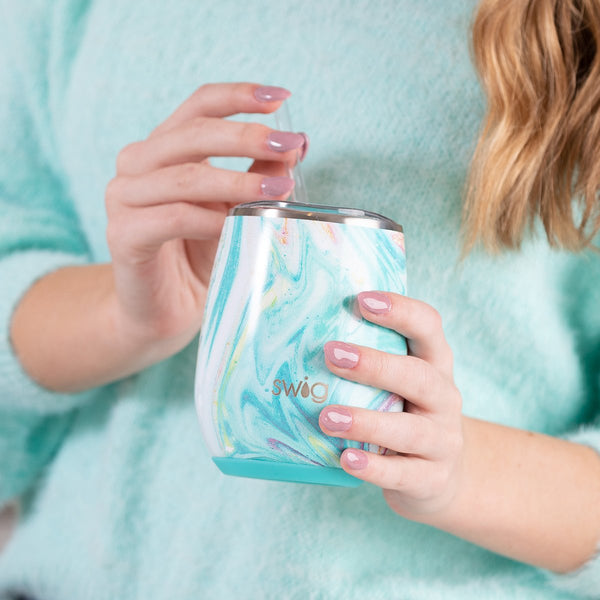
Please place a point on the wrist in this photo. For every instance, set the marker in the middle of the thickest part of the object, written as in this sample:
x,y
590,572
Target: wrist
x,y
143,343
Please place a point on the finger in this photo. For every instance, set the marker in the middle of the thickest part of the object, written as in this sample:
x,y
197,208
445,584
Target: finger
x,y
203,137
196,182
137,233
223,100
410,377
402,432
409,475
419,322
269,168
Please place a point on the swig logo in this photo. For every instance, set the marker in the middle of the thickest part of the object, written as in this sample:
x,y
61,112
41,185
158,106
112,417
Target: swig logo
x,y
317,391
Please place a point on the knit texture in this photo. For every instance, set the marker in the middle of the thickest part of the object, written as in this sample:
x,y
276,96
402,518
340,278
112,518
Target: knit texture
x,y
121,499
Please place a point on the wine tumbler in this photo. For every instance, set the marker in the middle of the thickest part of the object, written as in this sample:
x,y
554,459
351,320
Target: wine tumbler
x,y
284,282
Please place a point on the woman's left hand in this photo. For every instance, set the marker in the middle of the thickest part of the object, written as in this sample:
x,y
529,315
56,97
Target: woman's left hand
x,y
423,473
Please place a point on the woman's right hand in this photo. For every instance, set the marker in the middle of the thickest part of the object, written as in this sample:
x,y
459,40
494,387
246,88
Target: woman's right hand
x,y
166,207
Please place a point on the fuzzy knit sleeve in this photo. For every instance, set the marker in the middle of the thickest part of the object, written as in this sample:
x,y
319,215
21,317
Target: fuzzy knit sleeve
x,y
582,304
39,233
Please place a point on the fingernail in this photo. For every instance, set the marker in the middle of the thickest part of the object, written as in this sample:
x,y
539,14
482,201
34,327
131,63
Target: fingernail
x,y
282,141
271,93
375,302
336,419
355,459
341,355
304,148
276,186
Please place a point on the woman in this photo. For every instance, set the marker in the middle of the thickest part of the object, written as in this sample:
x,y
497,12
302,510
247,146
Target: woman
x,y
101,439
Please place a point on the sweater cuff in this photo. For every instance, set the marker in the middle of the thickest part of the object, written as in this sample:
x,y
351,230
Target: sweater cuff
x,y
18,391
585,581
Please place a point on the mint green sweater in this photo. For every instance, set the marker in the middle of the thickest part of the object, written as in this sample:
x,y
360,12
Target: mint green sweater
x,y
120,497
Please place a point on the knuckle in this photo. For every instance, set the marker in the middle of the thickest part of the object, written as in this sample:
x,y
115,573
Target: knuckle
x,y
113,194
240,89
199,96
239,183
126,157
424,378
417,437
251,133
449,362
370,426
197,127
202,90
175,219
434,320
125,240
377,365
455,399
186,176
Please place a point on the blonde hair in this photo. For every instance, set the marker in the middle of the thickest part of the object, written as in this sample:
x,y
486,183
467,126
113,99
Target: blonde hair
x,y
538,153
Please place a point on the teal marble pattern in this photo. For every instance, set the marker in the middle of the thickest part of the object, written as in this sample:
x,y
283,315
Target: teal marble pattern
x,y
279,290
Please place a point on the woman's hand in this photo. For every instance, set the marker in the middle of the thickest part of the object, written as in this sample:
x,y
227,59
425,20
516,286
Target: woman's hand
x,y
167,205
515,492
423,473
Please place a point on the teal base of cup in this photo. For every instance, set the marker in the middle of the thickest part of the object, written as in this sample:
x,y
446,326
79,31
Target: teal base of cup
x,y
275,471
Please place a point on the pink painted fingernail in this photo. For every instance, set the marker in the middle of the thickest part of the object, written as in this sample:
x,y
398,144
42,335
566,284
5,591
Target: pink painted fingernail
x,y
355,459
276,186
304,148
336,419
342,355
282,141
271,93
375,302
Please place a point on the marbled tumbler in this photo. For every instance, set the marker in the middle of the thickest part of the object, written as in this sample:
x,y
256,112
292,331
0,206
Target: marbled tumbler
x,y
281,288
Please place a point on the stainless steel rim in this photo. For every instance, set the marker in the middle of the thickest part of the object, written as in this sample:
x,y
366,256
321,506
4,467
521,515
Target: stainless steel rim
x,y
312,212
